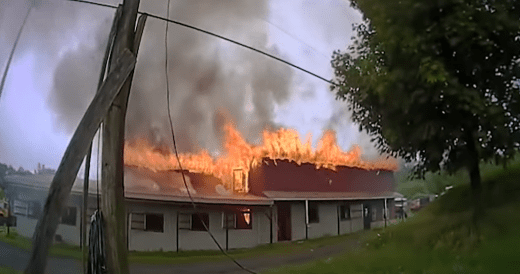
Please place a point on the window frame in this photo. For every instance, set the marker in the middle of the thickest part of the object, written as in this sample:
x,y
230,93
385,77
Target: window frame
x,y
139,221
345,213
313,207
230,220
186,221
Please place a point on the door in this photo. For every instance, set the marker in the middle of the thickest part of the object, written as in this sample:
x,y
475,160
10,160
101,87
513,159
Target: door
x,y
284,221
367,216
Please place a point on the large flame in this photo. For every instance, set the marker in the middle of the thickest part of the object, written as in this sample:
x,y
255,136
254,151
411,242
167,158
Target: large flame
x,y
278,145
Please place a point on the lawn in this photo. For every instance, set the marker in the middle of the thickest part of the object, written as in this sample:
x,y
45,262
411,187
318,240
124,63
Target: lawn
x,y
440,238
8,270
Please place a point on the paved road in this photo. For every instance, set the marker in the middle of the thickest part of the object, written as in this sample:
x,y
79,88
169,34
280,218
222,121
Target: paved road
x,y
18,259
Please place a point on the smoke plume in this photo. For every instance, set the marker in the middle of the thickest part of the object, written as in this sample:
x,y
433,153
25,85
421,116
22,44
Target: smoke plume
x,y
211,81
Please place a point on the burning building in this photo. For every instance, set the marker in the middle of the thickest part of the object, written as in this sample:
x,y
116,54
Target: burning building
x,y
280,190
277,191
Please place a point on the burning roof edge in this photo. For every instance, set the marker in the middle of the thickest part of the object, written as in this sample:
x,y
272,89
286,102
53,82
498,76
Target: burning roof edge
x,y
370,165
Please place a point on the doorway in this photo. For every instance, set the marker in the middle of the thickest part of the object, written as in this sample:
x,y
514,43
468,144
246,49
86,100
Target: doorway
x,y
284,221
367,216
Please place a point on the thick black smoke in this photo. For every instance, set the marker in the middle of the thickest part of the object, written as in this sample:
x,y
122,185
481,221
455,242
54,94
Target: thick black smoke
x,y
211,81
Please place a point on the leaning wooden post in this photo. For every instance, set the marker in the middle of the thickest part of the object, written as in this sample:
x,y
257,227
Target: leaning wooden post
x,y
112,190
71,161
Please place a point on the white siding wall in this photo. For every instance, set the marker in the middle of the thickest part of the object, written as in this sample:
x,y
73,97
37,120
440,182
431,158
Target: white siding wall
x,y
356,220
147,240
243,238
70,234
26,226
297,221
357,217
196,240
328,221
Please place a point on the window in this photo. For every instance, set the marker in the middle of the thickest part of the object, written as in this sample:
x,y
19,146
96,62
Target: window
x,y
374,214
137,221
154,222
147,222
198,221
313,213
344,212
194,221
20,207
237,220
68,216
244,220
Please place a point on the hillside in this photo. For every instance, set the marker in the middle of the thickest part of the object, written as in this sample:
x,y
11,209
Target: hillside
x,y
440,239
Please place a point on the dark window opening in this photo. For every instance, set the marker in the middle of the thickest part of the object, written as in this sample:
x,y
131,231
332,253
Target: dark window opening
x,y
344,212
154,222
197,220
313,213
68,217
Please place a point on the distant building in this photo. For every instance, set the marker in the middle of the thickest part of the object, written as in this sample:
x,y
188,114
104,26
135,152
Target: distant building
x,y
42,170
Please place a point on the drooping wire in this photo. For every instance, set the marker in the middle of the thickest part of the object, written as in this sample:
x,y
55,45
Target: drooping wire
x,y
177,154
4,76
218,36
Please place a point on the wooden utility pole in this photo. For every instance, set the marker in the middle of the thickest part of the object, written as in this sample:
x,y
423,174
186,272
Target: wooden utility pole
x,y
113,200
84,219
71,161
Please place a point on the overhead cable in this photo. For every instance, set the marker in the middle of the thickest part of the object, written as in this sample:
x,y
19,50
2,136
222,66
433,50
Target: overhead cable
x,y
218,36
177,154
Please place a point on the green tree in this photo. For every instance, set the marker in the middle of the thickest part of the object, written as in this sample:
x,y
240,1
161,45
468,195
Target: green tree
x,y
436,81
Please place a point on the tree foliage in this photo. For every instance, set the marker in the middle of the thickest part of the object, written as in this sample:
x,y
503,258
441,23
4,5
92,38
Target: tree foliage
x,y
435,81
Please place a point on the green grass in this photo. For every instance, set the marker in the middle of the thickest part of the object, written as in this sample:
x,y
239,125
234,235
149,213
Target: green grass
x,y
172,257
440,238
8,270
57,250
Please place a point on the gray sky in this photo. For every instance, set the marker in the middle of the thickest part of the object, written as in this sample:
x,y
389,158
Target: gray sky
x,y
54,73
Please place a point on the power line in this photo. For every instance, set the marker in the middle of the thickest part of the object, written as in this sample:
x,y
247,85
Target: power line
x,y
218,36
175,147
4,76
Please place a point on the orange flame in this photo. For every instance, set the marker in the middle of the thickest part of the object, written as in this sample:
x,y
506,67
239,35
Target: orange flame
x,y
281,144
